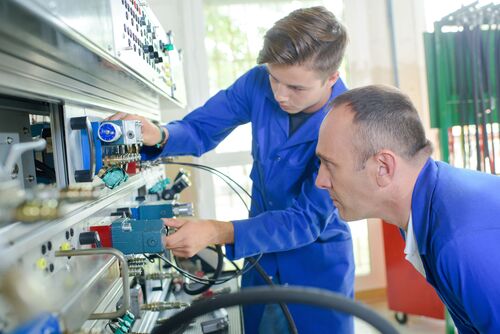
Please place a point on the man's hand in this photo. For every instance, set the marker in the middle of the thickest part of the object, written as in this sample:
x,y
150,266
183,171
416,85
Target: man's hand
x,y
150,132
193,235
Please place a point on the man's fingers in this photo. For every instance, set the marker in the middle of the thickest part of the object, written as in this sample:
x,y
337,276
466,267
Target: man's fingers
x,y
179,248
183,252
175,240
175,223
117,116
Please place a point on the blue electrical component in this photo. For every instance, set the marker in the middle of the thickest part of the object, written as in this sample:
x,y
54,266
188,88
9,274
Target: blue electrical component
x,y
161,209
131,236
156,210
44,323
109,132
113,133
107,144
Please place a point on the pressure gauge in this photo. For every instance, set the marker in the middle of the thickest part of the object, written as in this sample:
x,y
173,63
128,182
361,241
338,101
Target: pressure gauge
x,y
109,132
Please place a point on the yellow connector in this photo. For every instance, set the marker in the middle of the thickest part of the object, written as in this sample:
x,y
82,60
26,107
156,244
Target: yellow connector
x,y
41,263
65,246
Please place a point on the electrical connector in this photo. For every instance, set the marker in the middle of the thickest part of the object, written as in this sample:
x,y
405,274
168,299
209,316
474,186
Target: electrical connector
x,y
181,182
163,306
160,276
90,238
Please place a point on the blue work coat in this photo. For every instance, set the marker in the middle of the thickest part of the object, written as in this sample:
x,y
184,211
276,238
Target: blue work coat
x,y
456,221
291,221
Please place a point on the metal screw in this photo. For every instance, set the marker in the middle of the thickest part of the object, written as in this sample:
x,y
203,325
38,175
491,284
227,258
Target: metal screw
x,y
10,140
30,178
15,171
25,130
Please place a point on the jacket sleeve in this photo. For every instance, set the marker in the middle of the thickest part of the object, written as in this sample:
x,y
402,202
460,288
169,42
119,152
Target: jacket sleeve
x,y
205,127
306,220
470,265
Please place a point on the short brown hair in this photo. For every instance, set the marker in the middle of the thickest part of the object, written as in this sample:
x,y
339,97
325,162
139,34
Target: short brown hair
x,y
311,36
385,118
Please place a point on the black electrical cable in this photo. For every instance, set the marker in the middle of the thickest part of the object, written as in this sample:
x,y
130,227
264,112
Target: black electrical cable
x,y
260,270
206,280
204,287
45,170
262,295
490,92
265,277
460,69
283,306
482,104
237,269
216,172
207,168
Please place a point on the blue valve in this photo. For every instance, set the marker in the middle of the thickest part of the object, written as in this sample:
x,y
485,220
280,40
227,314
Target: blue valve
x,y
109,132
131,236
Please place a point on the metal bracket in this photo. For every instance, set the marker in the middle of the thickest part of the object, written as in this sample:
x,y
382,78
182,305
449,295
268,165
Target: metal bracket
x,y
123,271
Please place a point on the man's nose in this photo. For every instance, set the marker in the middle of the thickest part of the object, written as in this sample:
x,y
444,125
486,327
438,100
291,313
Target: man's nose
x,y
281,93
322,181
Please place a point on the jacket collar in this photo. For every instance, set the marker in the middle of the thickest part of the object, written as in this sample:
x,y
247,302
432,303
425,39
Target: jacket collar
x,y
421,203
310,129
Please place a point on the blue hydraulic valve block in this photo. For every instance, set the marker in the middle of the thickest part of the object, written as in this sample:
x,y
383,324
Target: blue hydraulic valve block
x,y
162,209
131,236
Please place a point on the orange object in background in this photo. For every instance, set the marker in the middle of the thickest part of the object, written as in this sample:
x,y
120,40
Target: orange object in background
x,y
407,290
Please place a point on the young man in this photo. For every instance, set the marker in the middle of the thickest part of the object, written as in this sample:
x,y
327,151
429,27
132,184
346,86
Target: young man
x,y
291,222
375,163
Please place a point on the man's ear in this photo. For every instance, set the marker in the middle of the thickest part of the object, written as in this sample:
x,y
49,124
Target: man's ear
x,y
385,162
332,78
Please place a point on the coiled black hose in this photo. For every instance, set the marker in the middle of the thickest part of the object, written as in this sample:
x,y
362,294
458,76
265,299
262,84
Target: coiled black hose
x,y
262,295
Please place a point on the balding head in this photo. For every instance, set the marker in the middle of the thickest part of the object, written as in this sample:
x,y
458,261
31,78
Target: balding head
x,y
383,118
372,146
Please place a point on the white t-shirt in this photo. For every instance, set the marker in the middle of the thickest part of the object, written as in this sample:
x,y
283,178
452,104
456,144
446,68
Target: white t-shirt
x,y
411,249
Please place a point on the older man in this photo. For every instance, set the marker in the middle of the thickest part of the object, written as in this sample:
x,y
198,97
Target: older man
x,y
375,163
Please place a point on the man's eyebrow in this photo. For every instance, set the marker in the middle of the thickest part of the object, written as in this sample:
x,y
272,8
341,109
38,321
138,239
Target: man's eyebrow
x,y
297,87
268,72
291,86
325,159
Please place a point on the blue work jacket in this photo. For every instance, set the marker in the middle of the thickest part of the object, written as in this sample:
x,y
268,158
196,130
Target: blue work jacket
x,y
456,221
291,221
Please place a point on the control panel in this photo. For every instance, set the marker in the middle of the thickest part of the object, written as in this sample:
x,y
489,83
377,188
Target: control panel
x,y
141,42
130,32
